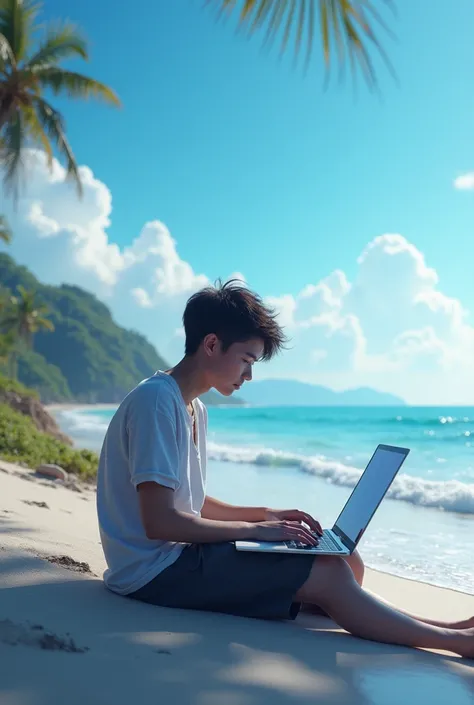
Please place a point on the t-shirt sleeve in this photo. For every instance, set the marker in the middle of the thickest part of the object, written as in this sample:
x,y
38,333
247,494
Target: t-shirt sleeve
x,y
152,443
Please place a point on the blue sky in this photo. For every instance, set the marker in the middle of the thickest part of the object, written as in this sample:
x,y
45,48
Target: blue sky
x,y
224,143
254,168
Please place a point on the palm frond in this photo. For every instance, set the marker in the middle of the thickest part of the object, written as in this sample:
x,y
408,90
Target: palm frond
x,y
7,57
42,323
16,22
27,296
25,117
60,43
347,28
36,133
25,316
52,123
75,85
5,232
11,146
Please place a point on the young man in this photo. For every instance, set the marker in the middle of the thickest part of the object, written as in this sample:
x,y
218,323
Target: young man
x,y
168,543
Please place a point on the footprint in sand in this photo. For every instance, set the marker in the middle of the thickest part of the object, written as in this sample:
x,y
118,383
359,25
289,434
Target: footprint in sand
x,y
69,563
32,503
36,635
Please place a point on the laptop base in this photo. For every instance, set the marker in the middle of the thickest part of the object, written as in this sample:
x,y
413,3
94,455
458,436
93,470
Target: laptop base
x,y
281,547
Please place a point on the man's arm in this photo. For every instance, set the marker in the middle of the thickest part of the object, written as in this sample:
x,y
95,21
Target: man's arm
x,y
162,522
220,511
215,509
165,523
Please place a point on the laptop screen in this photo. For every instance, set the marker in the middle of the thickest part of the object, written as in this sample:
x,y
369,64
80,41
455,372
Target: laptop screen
x,y
370,490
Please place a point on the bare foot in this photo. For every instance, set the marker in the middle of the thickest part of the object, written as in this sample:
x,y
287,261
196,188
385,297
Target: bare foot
x,y
463,624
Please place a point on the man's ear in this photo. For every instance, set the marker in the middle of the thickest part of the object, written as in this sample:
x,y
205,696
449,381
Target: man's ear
x,y
211,344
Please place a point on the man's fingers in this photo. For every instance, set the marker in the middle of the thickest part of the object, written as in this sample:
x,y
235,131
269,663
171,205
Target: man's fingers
x,y
312,523
308,538
302,534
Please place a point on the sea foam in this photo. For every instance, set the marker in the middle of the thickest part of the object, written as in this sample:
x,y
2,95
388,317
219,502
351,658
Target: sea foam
x,y
450,495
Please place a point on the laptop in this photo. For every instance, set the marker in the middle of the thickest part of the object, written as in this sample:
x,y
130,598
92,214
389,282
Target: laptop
x,y
355,517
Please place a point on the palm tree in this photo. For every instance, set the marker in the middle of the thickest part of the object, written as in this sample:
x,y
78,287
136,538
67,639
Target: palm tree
x,y
5,232
27,74
6,346
346,26
23,318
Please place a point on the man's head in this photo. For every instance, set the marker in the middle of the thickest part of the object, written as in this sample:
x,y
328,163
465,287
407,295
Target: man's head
x,y
227,329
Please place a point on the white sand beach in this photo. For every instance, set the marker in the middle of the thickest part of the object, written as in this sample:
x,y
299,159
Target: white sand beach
x,y
65,639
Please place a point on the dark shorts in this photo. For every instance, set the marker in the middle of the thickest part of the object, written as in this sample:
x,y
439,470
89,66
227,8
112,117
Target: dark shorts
x,y
217,577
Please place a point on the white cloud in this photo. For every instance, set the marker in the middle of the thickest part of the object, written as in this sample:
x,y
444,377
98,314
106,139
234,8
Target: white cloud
x,y
45,226
284,306
239,276
64,239
392,327
50,207
141,297
154,254
465,182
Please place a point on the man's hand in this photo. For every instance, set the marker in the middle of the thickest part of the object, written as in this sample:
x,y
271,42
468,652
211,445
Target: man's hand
x,y
293,515
275,531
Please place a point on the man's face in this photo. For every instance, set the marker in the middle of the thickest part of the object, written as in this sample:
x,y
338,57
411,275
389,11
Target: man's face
x,y
229,370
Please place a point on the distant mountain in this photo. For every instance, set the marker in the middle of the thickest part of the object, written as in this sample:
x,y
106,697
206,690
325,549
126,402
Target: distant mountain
x,y
287,392
88,358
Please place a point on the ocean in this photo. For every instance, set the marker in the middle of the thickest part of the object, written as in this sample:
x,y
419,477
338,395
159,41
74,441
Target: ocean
x,y
310,458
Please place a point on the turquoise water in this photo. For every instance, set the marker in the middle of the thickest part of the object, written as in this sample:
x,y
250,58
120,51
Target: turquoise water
x,y
441,440
312,457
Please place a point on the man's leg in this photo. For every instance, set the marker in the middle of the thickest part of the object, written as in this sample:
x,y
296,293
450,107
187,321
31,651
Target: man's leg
x,y
356,564
332,585
461,624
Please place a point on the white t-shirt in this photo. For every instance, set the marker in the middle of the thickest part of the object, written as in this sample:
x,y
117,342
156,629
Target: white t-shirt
x,y
149,438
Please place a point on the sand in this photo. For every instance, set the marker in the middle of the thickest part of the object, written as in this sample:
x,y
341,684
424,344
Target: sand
x,y
65,639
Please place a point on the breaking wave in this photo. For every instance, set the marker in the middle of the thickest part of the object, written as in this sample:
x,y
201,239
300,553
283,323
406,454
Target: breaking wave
x,y
450,495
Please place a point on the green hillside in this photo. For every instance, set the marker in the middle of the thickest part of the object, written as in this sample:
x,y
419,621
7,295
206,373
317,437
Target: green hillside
x,y
88,358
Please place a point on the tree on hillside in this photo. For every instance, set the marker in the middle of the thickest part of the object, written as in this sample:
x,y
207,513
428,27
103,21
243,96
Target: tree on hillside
x,y
22,317
7,340
6,347
346,28
30,71
5,232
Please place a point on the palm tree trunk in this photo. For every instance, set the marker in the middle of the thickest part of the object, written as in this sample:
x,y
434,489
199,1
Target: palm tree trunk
x,y
6,105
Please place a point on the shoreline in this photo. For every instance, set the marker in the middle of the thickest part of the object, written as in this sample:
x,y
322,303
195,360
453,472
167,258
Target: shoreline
x,y
80,407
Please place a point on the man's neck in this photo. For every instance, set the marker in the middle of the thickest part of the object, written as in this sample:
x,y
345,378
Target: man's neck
x,y
189,378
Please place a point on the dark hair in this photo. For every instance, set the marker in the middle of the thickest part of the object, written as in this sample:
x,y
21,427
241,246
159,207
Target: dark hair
x,y
234,314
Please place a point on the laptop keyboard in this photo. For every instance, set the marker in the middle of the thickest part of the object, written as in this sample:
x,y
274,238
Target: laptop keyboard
x,y
326,543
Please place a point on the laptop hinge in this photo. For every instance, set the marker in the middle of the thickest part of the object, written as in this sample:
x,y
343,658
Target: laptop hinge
x,y
350,545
